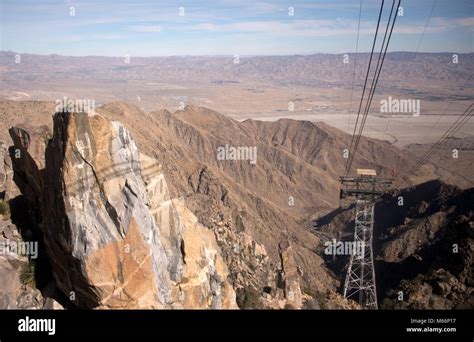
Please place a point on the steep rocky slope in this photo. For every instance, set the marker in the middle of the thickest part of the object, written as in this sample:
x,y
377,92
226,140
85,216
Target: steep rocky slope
x,y
424,249
16,288
455,155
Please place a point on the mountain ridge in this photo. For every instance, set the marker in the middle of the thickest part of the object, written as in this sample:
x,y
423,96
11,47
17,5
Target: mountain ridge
x,y
267,206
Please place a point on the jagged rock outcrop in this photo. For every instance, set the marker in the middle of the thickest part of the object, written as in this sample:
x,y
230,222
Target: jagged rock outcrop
x,y
436,290
290,276
204,283
8,188
27,155
103,244
112,234
15,291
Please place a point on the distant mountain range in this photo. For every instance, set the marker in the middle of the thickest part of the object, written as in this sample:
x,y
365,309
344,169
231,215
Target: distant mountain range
x,y
298,70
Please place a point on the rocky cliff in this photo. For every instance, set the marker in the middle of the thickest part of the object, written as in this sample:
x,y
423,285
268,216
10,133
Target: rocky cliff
x,y
114,237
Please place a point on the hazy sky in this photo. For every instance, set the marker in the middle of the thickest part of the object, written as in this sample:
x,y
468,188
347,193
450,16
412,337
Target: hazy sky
x,y
156,28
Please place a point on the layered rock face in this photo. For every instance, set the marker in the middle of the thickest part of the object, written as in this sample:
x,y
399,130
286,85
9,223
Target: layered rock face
x,y
204,283
112,233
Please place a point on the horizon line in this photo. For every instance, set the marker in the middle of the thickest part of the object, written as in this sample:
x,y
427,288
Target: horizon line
x,y
232,55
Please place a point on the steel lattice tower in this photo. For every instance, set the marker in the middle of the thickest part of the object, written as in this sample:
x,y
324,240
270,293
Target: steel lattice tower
x,y
360,278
